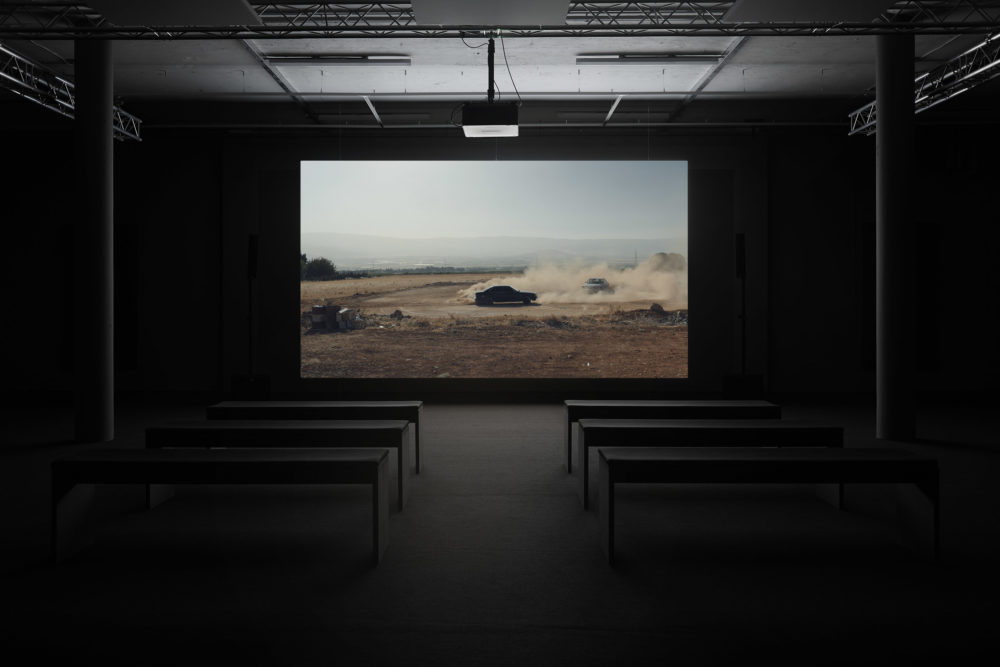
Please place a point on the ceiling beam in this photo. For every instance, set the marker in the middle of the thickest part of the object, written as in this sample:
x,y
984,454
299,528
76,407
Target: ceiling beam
x,y
283,83
707,78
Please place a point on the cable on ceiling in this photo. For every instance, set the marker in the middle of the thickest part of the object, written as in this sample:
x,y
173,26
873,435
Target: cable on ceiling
x,y
504,48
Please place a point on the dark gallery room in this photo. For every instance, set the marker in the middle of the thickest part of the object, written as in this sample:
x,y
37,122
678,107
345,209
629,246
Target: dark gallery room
x,y
358,333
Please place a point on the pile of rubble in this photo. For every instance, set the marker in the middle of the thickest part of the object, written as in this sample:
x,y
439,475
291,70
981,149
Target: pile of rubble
x,y
327,318
654,312
669,316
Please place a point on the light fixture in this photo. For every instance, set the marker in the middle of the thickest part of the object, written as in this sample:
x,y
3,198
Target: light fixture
x,y
337,61
649,59
489,119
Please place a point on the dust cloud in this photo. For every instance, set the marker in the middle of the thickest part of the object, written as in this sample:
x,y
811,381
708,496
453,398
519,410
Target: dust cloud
x,y
660,279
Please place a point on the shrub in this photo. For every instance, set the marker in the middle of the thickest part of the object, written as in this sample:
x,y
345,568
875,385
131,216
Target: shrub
x,y
319,268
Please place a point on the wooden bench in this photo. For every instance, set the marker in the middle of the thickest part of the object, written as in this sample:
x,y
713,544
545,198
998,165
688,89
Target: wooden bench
x,y
393,434
625,409
622,465
74,478
698,432
408,410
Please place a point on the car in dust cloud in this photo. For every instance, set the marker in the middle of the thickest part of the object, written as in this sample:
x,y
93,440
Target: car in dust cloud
x,y
595,285
503,294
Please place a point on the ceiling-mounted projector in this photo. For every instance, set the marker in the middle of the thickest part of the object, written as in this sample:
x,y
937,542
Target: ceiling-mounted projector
x,y
489,119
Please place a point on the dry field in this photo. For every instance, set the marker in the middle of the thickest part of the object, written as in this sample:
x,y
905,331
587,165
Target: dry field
x,y
423,326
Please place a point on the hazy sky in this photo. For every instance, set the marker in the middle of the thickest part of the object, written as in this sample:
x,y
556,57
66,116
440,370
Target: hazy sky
x,y
421,199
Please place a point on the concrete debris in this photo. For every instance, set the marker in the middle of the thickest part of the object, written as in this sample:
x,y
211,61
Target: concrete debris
x,y
323,318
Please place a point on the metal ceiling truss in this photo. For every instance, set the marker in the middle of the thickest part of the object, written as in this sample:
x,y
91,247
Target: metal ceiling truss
x,y
62,20
33,82
967,70
863,119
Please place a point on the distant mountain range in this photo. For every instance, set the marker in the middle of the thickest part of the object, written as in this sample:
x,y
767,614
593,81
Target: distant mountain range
x,y
360,251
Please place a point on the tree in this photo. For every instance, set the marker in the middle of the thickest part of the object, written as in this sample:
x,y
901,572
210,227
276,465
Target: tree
x,y
319,268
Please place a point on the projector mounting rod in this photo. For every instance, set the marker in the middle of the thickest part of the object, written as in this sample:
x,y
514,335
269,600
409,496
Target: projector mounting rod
x,y
489,60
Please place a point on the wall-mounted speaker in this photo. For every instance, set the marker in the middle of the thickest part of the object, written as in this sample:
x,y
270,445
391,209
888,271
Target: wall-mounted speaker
x,y
740,255
253,242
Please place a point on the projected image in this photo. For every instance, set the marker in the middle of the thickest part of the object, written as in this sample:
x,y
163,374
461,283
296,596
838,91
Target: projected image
x,y
540,269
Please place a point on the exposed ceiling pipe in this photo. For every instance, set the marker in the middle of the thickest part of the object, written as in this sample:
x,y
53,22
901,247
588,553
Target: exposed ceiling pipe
x,y
371,107
613,107
280,80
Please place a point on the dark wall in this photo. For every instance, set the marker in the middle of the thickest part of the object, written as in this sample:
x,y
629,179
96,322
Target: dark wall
x,y
167,246
957,229
821,250
168,209
821,255
36,215
187,203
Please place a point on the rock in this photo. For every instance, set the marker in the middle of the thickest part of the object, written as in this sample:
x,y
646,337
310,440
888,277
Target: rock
x,y
657,308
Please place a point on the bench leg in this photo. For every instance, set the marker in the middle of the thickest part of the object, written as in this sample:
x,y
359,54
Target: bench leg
x,y
569,444
380,512
584,472
606,510
917,515
157,494
72,521
403,468
416,445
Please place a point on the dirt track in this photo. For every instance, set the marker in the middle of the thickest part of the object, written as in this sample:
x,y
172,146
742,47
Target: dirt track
x,y
438,332
441,296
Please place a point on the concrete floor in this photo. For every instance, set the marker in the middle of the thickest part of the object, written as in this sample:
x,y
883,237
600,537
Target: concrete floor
x,y
493,561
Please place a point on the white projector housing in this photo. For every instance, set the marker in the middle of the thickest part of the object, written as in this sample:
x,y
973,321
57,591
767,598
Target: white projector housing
x,y
484,119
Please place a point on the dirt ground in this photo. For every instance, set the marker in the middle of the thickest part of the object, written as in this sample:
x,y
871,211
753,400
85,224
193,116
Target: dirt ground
x,y
423,326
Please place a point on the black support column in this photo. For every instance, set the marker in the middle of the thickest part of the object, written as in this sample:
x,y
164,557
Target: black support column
x,y
94,280
894,263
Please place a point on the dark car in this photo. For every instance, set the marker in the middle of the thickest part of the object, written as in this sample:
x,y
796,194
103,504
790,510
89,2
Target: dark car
x,y
503,294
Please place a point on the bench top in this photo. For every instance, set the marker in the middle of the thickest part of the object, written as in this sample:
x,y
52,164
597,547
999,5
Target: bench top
x,y
765,466
262,455
280,433
669,404
753,454
278,425
707,424
277,405
219,466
